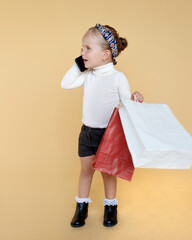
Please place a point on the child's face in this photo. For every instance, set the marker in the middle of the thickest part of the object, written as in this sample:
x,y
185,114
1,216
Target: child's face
x,y
92,53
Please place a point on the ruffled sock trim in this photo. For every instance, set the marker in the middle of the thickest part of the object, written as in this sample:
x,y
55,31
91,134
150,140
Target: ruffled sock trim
x,y
110,202
82,200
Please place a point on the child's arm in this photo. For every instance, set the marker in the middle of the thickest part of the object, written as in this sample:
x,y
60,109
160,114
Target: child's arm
x,y
73,78
124,90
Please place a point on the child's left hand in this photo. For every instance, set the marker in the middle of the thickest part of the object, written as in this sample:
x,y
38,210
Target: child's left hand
x,y
139,96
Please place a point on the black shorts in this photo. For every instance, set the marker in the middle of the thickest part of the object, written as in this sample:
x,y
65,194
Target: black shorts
x,y
89,140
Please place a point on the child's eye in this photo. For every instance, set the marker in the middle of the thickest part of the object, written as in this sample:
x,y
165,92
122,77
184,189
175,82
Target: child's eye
x,y
85,48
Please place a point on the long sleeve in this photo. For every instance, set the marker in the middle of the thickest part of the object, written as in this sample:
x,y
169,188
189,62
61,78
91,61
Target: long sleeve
x,y
124,89
73,78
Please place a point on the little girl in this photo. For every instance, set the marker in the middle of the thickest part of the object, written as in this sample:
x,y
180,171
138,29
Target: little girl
x,y
104,88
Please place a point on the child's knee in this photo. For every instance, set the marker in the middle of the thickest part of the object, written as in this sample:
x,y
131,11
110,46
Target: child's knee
x,y
87,171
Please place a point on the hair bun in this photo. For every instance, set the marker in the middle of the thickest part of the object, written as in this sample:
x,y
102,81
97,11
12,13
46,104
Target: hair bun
x,y
123,43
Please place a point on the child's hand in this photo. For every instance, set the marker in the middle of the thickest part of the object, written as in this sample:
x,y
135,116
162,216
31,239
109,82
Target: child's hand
x,y
138,96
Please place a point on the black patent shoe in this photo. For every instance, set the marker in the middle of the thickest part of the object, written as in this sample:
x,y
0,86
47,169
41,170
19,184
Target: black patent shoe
x,y
81,214
110,216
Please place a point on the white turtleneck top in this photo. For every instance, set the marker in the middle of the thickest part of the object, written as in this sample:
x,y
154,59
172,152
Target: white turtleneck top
x,y
104,88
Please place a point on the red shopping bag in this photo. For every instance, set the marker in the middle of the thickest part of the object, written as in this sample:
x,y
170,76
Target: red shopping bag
x,y
113,156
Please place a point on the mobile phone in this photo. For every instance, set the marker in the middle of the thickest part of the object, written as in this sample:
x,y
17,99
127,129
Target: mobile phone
x,y
80,64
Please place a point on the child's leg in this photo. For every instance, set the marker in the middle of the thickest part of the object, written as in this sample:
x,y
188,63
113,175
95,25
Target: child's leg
x,y
110,202
86,175
110,185
83,199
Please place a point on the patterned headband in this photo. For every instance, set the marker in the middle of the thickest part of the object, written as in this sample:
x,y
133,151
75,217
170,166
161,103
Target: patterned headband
x,y
108,36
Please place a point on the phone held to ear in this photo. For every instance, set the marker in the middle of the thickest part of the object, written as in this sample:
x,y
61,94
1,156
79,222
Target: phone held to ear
x,y
80,64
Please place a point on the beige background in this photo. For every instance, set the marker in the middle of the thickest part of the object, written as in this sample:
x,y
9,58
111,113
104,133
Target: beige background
x,y
40,122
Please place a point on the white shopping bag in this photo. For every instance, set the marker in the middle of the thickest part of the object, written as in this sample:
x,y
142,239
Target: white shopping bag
x,y
155,137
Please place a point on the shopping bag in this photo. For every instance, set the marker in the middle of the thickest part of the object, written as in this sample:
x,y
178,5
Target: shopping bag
x,y
113,156
156,139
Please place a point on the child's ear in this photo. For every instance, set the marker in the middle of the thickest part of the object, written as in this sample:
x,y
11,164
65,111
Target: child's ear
x,y
107,54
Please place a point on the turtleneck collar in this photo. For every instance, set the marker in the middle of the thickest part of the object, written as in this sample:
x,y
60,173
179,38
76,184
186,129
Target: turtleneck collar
x,y
104,69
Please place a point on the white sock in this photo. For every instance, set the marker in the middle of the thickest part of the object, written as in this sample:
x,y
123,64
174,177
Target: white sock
x,y
83,200
110,202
